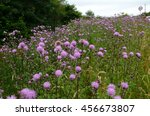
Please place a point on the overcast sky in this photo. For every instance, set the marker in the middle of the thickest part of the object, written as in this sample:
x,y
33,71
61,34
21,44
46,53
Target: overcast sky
x,y
111,7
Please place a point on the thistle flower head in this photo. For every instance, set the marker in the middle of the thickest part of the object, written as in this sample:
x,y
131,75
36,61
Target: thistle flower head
x,y
78,69
47,85
58,73
27,94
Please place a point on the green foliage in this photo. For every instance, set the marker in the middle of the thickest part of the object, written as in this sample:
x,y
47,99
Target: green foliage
x,y
71,13
17,68
89,13
146,14
26,14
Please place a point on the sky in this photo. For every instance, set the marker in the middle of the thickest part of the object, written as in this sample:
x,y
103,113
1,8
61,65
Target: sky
x,y
111,7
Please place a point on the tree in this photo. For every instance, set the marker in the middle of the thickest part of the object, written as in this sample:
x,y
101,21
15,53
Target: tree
x,y
26,14
70,13
89,13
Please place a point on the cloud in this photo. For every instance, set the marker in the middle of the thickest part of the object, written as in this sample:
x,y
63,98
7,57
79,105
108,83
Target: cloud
x,y
110,7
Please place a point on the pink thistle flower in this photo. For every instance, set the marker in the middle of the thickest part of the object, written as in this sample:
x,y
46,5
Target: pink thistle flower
x,y
47,85
72,57
36,77
95,85
58,49
21,45
40,49
28,94
11,97
66,43
111,92
101,54
101,49
14,51
58,73
78,69
42,39
74,43
124,48
131,54
125,56
64,54
117,97
85,42
138,55
72,76
92,47
42,44
59,57
111,86
77,54
124,85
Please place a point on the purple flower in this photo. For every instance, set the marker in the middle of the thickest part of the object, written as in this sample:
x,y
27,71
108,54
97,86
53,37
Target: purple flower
x,y
72,76
46,75
124,48
42,44
40,49
27,94
85,42
111,92
124,85
66,43
101,54
14,51
64,54
117,34
46,58
71,47
77,55
58,73
59,57
92,47
42,39
101,49
111,86
64,64
47,85
26,48
11,97
117,97
58,49
131,54
138,55
21,45
78,69
95,85
125,56
73,43
141,33
72,57
36,77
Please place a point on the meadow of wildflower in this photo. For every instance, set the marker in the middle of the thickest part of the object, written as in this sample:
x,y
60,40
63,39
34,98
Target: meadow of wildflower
x,y
95,58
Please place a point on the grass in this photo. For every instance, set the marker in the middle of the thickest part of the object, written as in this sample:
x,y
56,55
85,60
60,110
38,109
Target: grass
x,y
17,69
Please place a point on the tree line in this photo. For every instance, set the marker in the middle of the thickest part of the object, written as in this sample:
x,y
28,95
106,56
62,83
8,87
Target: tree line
x,y
23,15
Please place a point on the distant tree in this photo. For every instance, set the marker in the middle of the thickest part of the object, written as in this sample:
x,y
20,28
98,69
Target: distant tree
x,y
70,13
146,14
89,13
